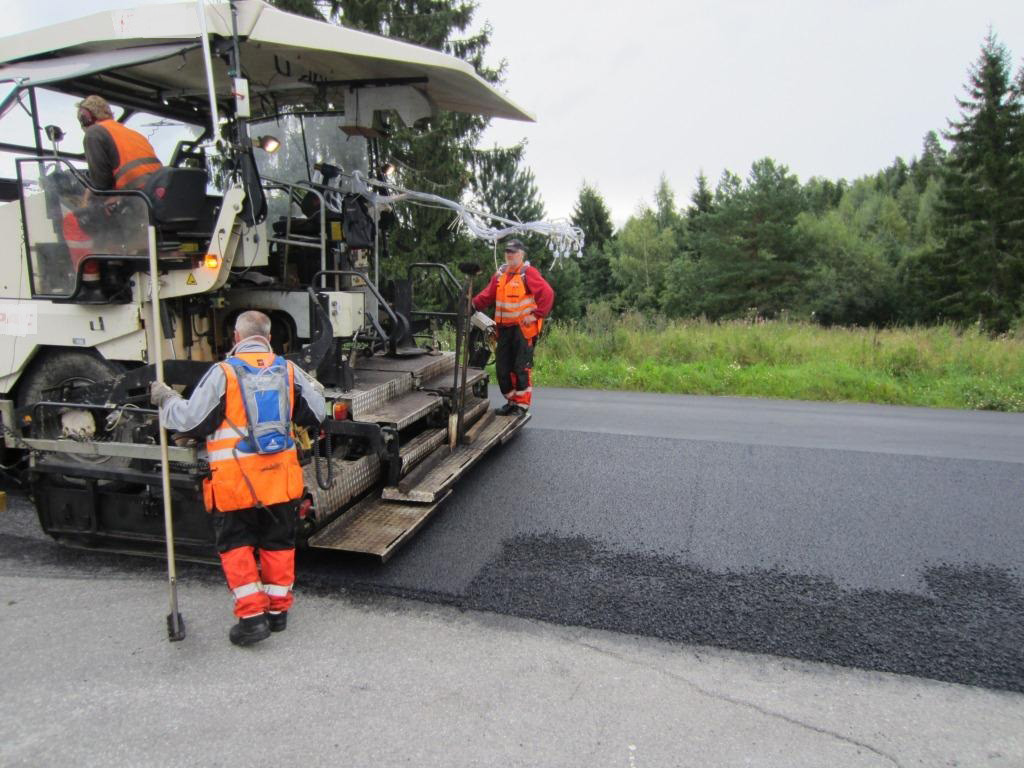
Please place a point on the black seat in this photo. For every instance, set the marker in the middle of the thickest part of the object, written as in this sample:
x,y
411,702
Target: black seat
x,y
178,196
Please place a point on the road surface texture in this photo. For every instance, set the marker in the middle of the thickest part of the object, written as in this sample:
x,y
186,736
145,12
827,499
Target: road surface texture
x,y
887,539
89,679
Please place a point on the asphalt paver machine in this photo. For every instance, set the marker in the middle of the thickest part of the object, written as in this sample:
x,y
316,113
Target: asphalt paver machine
x,y
406,419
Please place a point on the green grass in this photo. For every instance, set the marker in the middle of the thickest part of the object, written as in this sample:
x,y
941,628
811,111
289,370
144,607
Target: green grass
x,y
939,366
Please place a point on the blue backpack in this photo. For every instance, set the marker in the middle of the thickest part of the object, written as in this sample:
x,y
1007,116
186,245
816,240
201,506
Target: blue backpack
x,y
266,397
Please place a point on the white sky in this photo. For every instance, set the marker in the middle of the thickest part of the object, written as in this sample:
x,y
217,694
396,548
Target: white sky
x,y
626,91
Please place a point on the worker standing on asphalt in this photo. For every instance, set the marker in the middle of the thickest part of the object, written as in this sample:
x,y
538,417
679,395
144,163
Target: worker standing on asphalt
x,y
245,407
522,299
118,157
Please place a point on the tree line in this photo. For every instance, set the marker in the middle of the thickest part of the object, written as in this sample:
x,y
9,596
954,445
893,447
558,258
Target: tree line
x,y
937,239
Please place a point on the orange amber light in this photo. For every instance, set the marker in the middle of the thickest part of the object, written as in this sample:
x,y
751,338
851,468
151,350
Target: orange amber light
x,y
340,411
211,261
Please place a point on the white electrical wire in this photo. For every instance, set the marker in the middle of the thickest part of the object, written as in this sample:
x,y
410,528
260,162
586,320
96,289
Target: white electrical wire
x,y
563,238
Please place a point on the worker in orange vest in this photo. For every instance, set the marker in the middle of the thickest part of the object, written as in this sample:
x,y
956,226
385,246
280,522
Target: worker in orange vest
x,y
118,157
522,299
245,408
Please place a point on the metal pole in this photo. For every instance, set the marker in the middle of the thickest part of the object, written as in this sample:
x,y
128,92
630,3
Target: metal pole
x,y
464,362
208,63
455,418
376,246
36,129
236,64
175,624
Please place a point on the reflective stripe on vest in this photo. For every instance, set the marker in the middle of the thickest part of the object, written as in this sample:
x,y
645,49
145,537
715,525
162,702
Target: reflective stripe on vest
x,y
135,156
245,480
512,302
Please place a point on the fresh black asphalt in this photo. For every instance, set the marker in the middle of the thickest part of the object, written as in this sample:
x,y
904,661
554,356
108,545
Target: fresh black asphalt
x,y
868,536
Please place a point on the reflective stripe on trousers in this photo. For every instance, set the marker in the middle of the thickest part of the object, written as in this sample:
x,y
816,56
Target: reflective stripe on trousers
x,y
252,588
277,590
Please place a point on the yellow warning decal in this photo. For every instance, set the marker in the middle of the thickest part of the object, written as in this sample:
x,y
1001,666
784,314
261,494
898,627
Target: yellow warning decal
x,y
191,279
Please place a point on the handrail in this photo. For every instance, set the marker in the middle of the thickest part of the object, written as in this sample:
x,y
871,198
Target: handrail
x,y
287,241
396,323
446,275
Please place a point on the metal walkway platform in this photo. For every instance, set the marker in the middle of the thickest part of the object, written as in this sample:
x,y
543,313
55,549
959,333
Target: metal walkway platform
x,y
374,527
379,524
381,380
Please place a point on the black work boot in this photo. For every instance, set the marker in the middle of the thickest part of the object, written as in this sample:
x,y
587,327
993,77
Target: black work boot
x,y
278,621
250,630
507,409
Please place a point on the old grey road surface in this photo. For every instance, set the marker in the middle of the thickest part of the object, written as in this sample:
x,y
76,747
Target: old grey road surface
x,y
885,539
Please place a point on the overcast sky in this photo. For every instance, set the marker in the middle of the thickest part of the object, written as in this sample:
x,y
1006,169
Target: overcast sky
x,y
624,92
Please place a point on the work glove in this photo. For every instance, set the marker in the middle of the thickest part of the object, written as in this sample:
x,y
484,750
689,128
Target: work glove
x,y
160,393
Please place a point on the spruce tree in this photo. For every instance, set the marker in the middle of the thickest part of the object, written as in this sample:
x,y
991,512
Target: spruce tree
x,y
753,257
703,199
591,214
501,184
977,274
929,166
702,203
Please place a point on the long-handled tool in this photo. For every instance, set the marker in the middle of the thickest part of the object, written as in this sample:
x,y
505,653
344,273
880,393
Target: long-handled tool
x,y
469,269
175,624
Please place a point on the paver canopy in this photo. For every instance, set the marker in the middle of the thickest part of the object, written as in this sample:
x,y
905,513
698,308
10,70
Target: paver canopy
x,y
149,58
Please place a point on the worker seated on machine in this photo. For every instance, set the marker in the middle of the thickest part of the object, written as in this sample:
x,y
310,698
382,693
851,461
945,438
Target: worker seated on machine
x,y
118,157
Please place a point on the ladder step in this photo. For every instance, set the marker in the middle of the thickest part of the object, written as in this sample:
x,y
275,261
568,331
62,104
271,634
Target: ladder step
x,y
436,482
447,379
421,368
374,527
402,411
372,390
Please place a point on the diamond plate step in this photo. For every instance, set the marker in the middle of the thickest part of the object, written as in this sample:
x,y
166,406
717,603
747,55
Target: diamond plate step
x,y
380,380
374,527
420,368
404,410
445,380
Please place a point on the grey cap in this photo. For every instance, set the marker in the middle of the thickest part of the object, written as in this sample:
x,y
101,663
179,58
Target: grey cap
x,y
515,245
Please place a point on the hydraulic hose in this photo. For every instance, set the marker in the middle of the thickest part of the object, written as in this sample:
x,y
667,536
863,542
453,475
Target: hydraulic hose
x,y
325,485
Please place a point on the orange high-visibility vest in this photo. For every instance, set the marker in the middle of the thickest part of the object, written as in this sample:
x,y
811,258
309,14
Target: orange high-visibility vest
x,y
135,156
513,302
245,480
